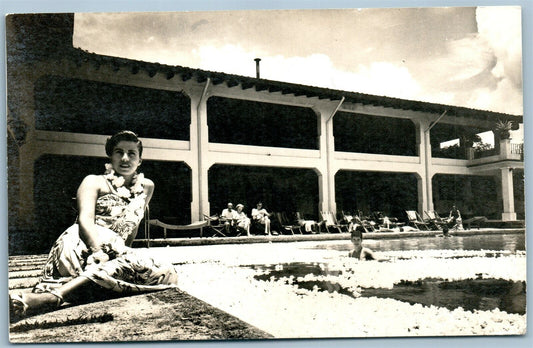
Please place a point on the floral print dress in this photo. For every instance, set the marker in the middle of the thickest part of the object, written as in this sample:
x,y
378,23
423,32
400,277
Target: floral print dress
x,y
131,270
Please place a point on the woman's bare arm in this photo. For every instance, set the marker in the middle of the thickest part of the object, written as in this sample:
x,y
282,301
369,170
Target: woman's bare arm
x,y
149,187
86,198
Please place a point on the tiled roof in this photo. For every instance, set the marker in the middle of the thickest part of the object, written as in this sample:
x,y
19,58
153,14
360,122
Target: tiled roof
x,y
200,76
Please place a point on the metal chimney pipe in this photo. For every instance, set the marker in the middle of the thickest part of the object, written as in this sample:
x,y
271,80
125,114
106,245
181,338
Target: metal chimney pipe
x,y
257,74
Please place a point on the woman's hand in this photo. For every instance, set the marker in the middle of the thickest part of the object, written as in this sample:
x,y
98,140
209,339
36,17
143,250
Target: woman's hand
x,y
97,258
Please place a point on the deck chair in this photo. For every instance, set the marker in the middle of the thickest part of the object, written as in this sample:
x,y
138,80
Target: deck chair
x,y
215,226
384,222
346,217
367,226
415,219
344,225
434,216
308,226
435,220
286,223
330,223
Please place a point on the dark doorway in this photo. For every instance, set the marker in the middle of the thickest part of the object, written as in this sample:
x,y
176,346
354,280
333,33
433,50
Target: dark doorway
x,y
390,193
280,189
473,195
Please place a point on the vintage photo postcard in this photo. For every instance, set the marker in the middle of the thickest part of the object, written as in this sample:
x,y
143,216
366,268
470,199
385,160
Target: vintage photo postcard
x,y
265,174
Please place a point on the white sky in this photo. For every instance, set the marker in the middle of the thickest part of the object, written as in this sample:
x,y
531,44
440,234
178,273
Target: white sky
x,y
461,56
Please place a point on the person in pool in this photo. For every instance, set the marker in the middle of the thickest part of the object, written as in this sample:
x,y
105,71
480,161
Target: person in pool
x,y
359,252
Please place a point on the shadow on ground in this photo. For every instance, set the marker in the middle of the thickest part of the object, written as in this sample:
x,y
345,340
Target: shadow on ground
x,y
168,315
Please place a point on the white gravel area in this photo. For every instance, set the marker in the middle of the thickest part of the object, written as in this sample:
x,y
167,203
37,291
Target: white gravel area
x,y
214,275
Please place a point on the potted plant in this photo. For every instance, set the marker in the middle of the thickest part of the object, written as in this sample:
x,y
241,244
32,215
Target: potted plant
x,y
503,128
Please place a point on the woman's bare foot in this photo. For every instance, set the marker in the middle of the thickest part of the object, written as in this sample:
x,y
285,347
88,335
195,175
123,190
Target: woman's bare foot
x,y
21,304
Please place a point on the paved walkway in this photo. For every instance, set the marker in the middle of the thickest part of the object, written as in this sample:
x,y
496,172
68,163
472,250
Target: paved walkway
x,y
169,315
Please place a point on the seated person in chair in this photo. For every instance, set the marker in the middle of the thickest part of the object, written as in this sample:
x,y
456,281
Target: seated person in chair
x,y
260,215
229,216
243,221
454,219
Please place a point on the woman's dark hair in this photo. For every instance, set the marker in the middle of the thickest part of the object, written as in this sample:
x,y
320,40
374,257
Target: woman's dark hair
x,y
356,232
124,135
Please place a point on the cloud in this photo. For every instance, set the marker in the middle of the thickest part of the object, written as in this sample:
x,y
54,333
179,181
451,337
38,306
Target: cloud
x,y
480,70
502,29
468,58
380,78
439,59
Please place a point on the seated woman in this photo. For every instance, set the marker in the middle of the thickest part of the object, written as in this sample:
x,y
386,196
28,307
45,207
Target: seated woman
x,y
356,237
96,250
243,221
454,219
260,215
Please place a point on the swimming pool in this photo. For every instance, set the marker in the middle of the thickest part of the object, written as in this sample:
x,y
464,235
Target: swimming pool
x,y
472,285
509,242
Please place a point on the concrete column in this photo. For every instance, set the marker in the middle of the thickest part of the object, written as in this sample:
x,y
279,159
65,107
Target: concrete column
x,y
505,148
507,194
199,141
332,204
323,196
424,184
327,171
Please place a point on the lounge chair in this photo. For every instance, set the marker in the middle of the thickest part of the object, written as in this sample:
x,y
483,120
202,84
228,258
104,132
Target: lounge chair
x,y
368,226
286,223
435,220
330,223
415,219
386,223
346,217
307,225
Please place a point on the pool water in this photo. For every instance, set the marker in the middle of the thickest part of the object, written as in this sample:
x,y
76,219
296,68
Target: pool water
x,y
507,242
469,294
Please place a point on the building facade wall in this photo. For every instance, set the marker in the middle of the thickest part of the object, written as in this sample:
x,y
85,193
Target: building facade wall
x,y
199,154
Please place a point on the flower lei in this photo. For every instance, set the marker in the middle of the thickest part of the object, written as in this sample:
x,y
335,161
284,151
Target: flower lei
x,y
117,182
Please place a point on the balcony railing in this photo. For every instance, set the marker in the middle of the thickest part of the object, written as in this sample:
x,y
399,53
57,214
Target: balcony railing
x,y
517,148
